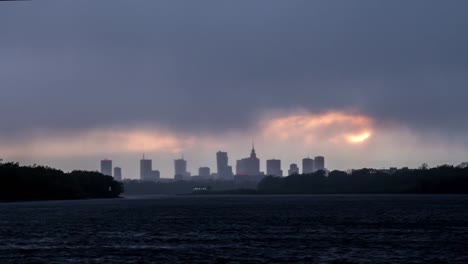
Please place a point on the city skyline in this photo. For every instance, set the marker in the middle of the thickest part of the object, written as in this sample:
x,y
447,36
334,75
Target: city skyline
x,y
249,166
244,167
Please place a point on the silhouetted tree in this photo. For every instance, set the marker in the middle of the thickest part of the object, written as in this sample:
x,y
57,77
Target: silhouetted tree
x,y
442,179
45,183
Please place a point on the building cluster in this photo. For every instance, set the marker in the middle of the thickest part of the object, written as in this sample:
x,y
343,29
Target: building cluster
x,y
106,169
146,170
247,169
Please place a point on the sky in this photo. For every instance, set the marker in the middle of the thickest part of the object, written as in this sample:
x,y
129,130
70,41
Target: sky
x,y
365,83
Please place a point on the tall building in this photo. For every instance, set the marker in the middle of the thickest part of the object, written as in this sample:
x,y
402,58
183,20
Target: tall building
x,y
146,167
106,167
293,169
307,165
146,170
274,167
154,176
180,166
319,163
118,173
224,170
249,166
204,172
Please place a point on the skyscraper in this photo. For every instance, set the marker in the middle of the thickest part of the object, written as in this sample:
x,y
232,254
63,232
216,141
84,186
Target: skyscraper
x,y
106,167
249,166
204,172
274,168
146,170
117,173
180,166
146,167
224,170
293,169
319,163
154,176
307,165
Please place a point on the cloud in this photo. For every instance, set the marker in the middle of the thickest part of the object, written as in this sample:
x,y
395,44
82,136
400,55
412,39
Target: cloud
x,y
310,128
215,74
307,128
99,142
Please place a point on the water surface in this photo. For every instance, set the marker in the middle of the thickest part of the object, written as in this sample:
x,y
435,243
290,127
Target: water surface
x,y
238,229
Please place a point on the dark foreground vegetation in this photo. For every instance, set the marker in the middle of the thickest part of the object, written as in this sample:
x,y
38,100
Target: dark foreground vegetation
x,y
442,179
22,183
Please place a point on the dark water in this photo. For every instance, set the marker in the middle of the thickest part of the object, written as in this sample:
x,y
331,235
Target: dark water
x,y
238,229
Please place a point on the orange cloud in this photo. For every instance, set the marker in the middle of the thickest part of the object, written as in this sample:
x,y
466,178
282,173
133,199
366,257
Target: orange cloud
x,y
101,142
302,128
335,127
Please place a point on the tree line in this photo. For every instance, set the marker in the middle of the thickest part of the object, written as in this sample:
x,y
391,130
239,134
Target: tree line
x,y
44,183
442,179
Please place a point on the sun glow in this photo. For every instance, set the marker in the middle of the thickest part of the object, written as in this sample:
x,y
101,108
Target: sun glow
x,y
359,138
309,128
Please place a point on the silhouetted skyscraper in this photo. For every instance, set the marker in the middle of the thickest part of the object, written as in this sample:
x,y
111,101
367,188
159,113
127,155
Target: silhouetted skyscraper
x,y
307,165
224,170
293,169
154,176
180,166
274,167
146,167
249,166
204,172
117,173
106,167
319,163
146,170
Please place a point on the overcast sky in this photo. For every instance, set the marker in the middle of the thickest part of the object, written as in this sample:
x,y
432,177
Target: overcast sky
x,y
364,82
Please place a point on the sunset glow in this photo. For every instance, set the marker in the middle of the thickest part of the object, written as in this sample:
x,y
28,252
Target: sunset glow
x,y
359,138
313,128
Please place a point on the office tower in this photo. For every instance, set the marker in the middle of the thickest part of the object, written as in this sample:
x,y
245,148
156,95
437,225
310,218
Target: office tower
x,y
146,170
154,176
249,166
146,167
224,170
293,169
274,167
180,166
117,173
204,172
307,165
106,167
319,163
241,167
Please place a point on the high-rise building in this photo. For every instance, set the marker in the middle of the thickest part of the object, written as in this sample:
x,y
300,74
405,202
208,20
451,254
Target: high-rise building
x,y
274,167
117,173
106,167
224,170
293,169
146,167
180,166
154,176
204,172
249,166
146,170
319,163
307,165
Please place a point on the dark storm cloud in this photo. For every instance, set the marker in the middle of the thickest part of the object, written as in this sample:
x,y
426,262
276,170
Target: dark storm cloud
x,y
215,65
